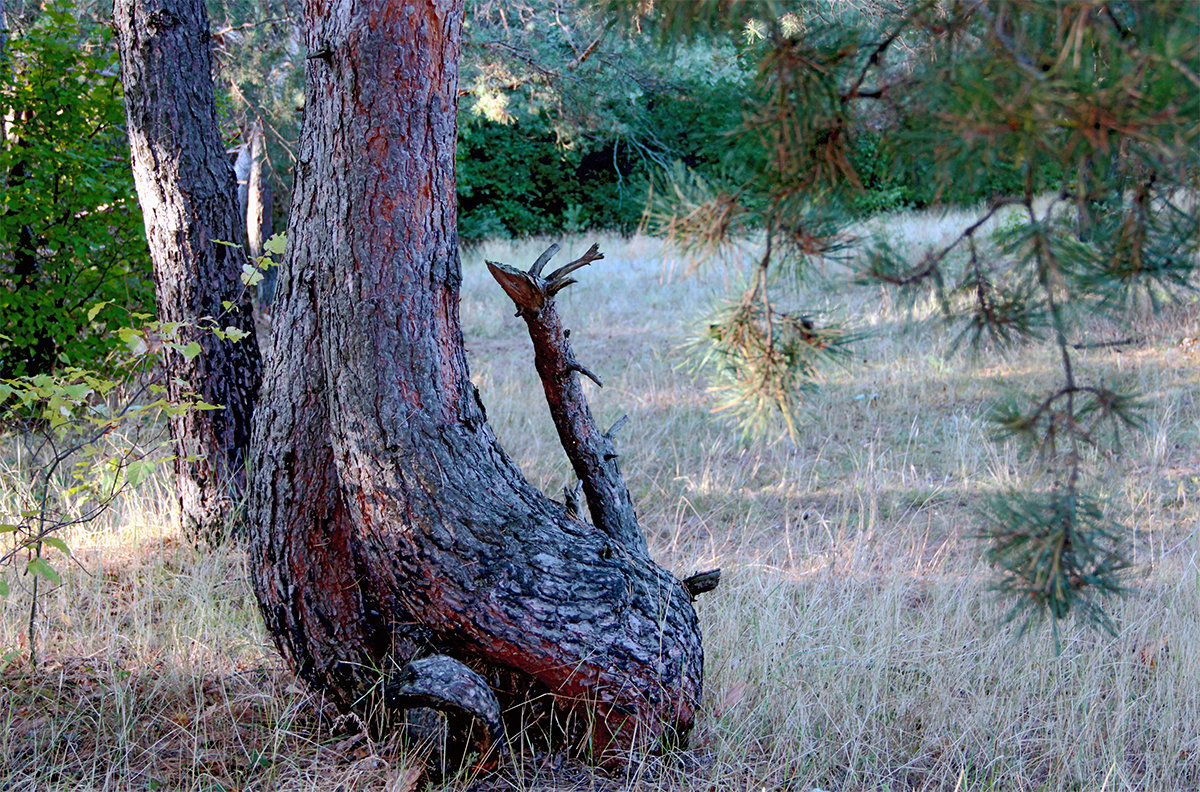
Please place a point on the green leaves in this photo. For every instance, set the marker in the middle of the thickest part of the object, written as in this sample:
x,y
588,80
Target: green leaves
x,y
38,566
56,543
96,309
133,339
89,437
275,245
251,275
138,471
71,233
230,333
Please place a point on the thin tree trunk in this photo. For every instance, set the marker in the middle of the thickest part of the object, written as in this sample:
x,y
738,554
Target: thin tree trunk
x,y
259,205
387,523
3,36
188,196
257,224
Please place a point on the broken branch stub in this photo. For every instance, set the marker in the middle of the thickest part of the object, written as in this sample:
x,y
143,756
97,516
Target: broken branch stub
x,y
541,260
590,450
444,684
558,280
701,582
524,288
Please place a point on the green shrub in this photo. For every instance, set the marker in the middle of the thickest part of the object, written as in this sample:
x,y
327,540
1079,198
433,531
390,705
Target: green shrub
x,y
71,233
522,178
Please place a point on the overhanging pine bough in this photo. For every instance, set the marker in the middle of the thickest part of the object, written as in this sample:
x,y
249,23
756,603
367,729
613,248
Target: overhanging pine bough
x,y
387,523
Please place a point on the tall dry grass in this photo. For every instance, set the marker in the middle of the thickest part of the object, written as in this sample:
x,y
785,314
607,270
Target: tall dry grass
x,y
852,645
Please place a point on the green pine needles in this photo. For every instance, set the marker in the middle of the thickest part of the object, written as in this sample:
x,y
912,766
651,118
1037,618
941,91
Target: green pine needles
x,y
1059,554
765,358
1076,124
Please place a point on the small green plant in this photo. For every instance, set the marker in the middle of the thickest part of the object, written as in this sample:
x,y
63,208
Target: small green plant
x,y
86,436
81,439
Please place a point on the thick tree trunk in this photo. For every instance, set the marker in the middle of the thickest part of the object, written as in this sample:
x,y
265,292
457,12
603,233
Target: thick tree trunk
x,y
188,196
387,524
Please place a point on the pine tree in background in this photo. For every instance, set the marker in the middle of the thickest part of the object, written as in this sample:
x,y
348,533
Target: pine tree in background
x,y
1080,120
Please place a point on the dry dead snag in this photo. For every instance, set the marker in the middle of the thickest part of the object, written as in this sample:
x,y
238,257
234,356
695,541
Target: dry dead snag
x,y
397,553
591,451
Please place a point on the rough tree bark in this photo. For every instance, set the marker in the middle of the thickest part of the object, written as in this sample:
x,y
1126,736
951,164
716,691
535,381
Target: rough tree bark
x,y
188,196
387,525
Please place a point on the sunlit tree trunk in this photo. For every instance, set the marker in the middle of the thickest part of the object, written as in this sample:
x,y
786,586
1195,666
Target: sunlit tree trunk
x,y
258,221
387,524
188,196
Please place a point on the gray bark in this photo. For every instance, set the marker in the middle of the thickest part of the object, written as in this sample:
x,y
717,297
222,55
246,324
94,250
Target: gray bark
x,y
241,176
188,196
591,451
257,223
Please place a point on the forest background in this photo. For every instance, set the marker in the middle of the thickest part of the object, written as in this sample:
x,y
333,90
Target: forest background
x,y
567,127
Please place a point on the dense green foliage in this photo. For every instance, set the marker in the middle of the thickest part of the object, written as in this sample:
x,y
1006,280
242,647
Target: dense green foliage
x,y
71,233
543,151
564,120
567,120
516,180
522,178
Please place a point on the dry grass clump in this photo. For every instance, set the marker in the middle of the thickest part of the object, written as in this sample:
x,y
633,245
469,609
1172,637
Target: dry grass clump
x,y
852,645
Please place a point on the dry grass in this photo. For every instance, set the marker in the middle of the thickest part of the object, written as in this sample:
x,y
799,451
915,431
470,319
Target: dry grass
x,y
852,645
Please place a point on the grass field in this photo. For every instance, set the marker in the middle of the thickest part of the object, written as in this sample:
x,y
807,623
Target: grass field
x,y
852,645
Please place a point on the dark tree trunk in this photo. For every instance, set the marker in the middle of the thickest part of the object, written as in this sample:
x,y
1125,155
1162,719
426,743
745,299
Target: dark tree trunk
x,y
188,196
387,525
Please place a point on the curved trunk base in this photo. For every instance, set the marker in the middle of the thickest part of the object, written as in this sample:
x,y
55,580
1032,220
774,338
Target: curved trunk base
x,y
387,525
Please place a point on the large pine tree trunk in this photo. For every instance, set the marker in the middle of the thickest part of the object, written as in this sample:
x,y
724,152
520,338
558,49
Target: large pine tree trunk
x,y
188,196
387,524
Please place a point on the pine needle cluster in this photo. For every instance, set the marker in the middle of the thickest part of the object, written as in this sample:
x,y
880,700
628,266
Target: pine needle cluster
x,y
1086,114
